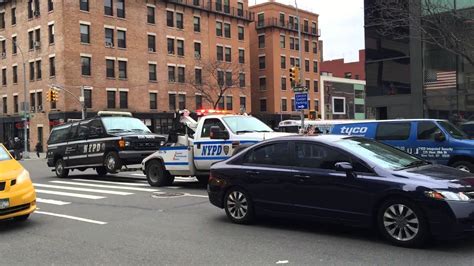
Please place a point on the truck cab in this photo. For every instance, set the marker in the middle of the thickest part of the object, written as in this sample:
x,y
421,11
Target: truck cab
x,y
212,138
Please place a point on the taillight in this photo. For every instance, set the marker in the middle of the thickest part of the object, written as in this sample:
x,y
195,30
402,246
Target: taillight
x,y
215,180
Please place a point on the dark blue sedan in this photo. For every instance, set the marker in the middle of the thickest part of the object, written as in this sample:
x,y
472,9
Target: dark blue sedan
x,y
349,180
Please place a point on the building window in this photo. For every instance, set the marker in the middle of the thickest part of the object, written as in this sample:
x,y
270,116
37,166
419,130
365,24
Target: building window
x,y
226,6
2,20
13,16
88,98
51,33
110,68
171,73
315,66
220,103
316,105
220,78
5,107
122,67
293,105
297,62
227,30
172,101
315,47
261,20
198,76
292,61
182,101
14,46
339,105
15,74
283,62
109,37
220,53
30,9
219,28
15,104
261,62
4,76
153,100
306,46
39,97
282,19
38,69
243,103
263,105
37,43
282,41
229,103
179,21
123,95
31,41
228,79
196,2
308,84
241,33
197,50
197,24
85,66
122,39
85,34
180,47
151,43
198,101
315,86
283,83
121,8
261,41
108,8
152,72
150,14
181,75
52,67
240,9
111,99
284,106
242,80
263,83
306,65
347,75
32,102
170,43
4,48
84,5
32,71
292,43
169,18
228,54
241,56
313,28
297,44
50,5
218,5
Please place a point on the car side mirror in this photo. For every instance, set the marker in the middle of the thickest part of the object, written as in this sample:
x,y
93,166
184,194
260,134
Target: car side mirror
x,y
439,136
345,167
217,133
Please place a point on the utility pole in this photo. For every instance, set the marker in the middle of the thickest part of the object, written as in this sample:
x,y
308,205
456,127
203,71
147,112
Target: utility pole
x,y
301,58
80,99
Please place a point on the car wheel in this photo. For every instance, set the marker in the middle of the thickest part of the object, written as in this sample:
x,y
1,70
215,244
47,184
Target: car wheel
x,y
21,218
203,179
464,166
60,169
101,171
112,163
402,223
238,206
157,176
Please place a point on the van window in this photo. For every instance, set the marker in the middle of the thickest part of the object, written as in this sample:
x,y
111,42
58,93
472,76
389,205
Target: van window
x,y
212,122
426,130
83,130
72,135
393,131
95,129
59,134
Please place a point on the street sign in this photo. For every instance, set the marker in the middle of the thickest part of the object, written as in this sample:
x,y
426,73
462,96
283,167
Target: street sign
x,y
300,89
301,101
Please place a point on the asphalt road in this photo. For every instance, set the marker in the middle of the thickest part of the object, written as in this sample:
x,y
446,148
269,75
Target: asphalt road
x,y
178,226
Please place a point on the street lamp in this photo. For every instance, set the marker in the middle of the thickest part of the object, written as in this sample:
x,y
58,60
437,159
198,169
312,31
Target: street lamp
x,y
26,110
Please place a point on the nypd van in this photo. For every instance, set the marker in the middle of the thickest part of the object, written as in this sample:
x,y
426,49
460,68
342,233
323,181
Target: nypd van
x,y
438,141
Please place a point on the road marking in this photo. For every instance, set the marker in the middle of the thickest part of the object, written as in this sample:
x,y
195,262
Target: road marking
x,y
104,186
53,202
85,189
74,195
195,195
71,217
141,175
282,262
113,183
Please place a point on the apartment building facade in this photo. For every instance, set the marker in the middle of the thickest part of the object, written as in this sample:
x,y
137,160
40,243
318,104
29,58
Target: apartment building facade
x,y
148,57
274,50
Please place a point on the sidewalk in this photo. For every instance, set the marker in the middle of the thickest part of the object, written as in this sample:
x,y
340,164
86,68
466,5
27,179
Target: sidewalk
x,y
34,157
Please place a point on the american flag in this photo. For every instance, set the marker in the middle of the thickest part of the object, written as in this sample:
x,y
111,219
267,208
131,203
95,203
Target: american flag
x,y
437,80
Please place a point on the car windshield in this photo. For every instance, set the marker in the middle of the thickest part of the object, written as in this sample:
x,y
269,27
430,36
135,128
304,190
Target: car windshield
x,y
124,124
4,154
453,130
245,124
380,154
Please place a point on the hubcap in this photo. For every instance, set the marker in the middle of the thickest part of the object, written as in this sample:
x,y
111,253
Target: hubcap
x,y
401,222
59,168
237,205
111,163
463,168
153,173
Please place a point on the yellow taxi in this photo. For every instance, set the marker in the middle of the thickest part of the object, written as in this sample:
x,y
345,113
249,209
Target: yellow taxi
x,y
17,194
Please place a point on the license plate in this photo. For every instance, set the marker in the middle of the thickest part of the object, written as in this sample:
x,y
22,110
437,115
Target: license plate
x,y
4,203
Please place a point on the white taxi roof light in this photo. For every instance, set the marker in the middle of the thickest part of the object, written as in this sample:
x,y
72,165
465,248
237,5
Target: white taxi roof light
x,y
113,113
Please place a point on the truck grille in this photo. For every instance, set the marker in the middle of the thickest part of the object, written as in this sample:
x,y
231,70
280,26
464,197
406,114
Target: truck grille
x,y
146,145
2,186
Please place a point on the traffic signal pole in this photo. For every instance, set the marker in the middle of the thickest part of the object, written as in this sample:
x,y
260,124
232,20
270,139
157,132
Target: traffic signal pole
x,y
79,99
301,57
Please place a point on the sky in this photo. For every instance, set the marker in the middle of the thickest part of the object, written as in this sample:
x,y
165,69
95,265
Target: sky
x,y
341,23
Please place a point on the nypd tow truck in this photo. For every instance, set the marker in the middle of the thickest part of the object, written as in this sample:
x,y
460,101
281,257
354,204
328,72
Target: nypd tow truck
x,y
192,151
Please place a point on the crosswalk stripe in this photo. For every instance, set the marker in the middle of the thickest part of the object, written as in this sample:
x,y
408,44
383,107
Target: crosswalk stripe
x,y
113,183
103,186
53,202
74,195
141,175
85,189
71,217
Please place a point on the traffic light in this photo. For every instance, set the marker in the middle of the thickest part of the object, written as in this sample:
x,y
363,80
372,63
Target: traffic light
x,y
54,95
294,75
49,96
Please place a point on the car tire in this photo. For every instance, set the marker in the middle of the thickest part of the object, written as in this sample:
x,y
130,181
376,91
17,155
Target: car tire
x,y
157,176
60,169
464,166
101,171
239,206
203,179
21,218
112,162
402,223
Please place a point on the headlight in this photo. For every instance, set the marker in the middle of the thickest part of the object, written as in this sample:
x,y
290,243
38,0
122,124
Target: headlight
x,y
24,176
447,195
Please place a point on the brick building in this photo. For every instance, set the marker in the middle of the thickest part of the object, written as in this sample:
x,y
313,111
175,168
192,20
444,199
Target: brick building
x,y
274,50
341,69
141,56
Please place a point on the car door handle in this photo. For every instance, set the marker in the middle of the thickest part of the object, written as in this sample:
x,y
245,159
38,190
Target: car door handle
x,y
302,176
252,172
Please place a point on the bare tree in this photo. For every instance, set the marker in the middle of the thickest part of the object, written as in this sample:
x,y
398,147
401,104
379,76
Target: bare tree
x,y
435,22
217,79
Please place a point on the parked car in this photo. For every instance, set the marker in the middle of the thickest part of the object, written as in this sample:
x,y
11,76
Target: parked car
x,y
17,194
345,179
433,140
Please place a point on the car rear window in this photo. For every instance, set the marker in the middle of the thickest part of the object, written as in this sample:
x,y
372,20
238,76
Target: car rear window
x,y
393,131
59,134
